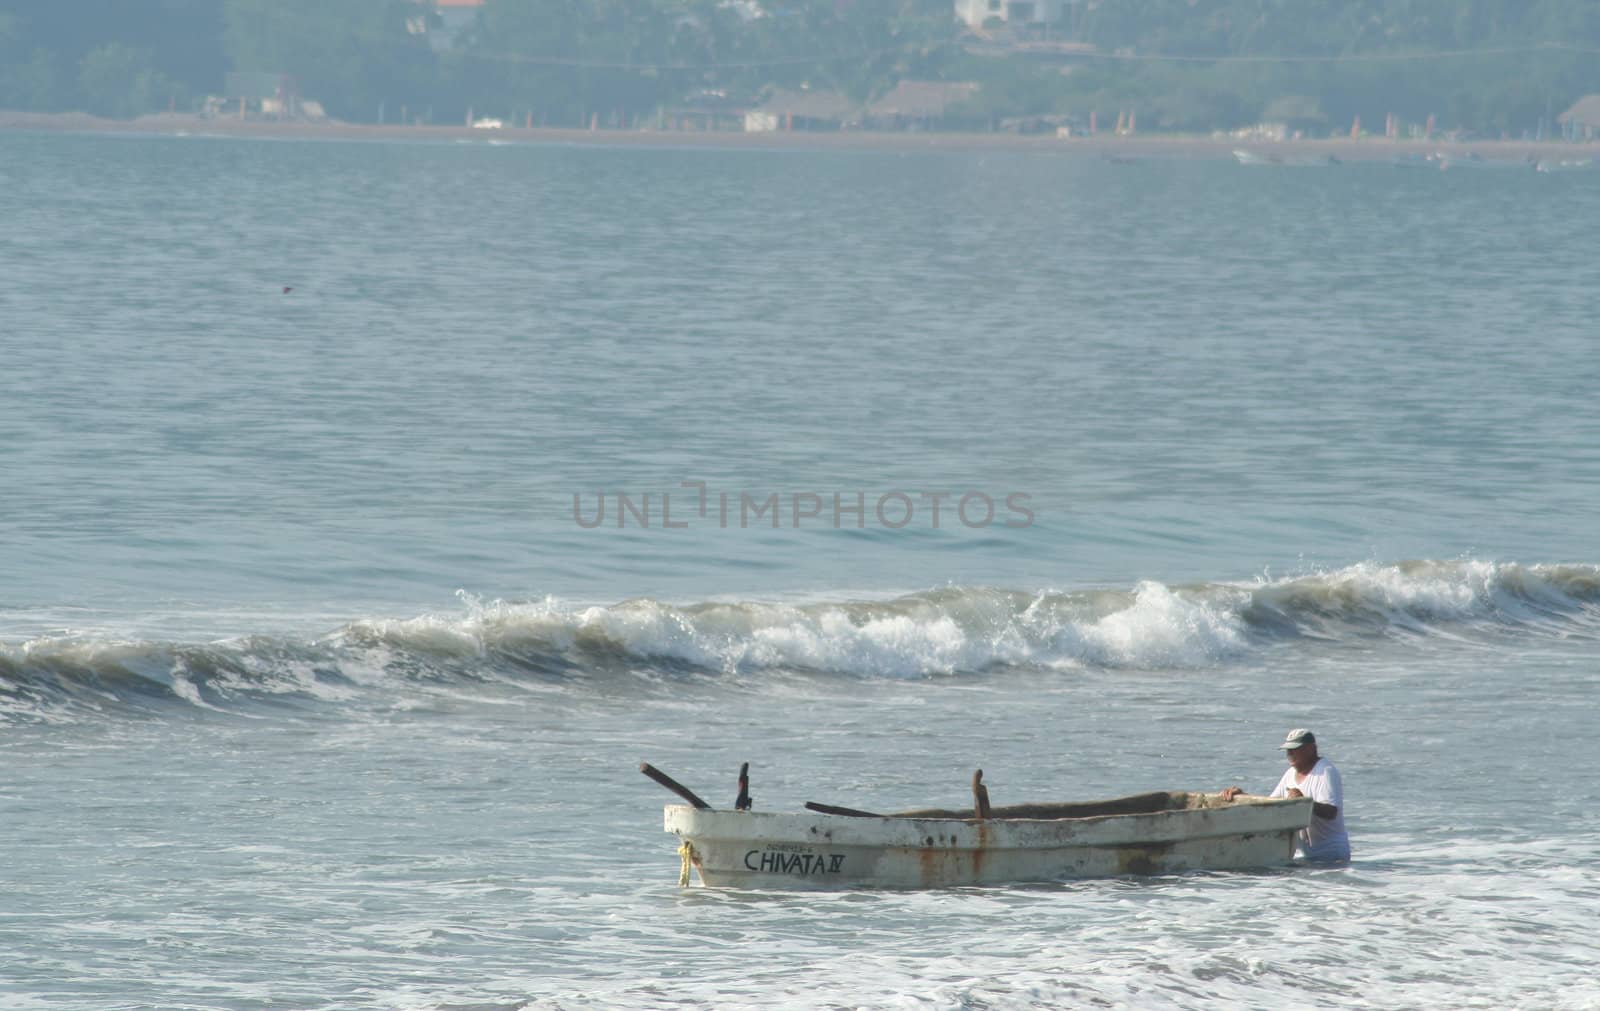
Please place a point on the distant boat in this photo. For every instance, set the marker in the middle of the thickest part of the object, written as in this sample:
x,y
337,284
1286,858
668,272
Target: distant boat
x,y
833,848
1244,157
1562,164
1470,159
1247,157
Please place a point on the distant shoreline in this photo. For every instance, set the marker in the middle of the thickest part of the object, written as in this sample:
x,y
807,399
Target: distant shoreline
x,y
1102,144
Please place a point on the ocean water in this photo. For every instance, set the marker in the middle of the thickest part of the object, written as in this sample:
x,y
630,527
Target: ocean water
x,y
369,511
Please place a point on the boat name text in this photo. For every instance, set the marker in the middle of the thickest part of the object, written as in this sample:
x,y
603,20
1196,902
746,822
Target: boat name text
x,y
801,864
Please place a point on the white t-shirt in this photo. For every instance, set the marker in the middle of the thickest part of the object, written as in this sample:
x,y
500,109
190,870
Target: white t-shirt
x,y
1325,838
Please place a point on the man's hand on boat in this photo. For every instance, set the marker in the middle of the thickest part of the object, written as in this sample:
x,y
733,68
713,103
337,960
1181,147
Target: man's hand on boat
x,y
1230,792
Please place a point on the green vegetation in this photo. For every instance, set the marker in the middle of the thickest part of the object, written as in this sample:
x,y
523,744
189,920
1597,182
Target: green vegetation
x,y
1485,65
1492,66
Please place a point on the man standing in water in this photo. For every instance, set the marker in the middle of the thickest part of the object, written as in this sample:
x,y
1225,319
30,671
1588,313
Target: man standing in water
x,y
1310,775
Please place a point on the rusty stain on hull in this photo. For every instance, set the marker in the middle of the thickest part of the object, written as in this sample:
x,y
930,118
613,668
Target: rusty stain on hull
x,y
1144,859
985,840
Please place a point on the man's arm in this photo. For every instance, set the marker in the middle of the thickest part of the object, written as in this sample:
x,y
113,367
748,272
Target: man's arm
x,y
1327,786
1321,810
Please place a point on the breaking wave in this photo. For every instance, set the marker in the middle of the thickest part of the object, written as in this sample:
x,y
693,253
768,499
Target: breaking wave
x,y
941,631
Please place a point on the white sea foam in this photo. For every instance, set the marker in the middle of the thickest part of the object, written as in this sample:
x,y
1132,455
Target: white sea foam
x,y
1152,626
967,629
1165,628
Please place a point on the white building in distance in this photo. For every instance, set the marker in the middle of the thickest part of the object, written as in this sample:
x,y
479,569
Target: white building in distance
x,y
977,13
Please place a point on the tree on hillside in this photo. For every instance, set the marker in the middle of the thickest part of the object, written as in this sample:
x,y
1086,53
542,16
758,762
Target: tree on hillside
x,y
355,56
108,55
567,59
121,81
1498,65
563,60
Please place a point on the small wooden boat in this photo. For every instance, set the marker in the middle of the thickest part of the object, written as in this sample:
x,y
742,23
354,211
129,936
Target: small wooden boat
x,y
829,848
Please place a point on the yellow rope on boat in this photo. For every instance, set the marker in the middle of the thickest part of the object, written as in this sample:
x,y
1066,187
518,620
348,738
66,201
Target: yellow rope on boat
x,y
686,851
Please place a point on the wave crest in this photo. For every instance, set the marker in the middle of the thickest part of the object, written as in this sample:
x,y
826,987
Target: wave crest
x,y
942,631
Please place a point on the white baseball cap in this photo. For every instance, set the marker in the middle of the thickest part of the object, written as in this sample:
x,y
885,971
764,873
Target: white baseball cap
x,y
1298,737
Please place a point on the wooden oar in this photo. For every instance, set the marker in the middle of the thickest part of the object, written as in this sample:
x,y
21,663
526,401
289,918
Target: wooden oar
x,y
743,801
846,812
673,785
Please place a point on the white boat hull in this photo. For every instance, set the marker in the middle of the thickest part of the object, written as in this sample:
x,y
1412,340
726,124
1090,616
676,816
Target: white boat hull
x,y
1195,831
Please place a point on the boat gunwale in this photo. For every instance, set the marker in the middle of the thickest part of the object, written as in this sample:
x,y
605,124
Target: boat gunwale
x,y
1174,802
760,821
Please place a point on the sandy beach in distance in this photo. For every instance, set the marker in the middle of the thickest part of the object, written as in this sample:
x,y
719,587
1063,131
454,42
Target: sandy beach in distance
x,y
1105,144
